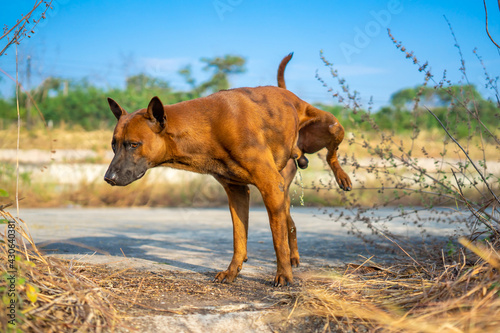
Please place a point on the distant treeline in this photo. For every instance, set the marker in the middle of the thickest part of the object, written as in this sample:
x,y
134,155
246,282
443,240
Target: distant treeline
x,y
80,103
460,108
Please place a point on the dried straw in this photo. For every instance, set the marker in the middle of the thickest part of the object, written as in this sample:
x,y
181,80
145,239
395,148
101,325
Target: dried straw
x,y
51,294
460,297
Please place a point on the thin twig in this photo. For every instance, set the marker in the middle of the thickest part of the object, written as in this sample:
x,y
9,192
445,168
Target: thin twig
x,y
17,150
18,134
467,155
28,94
394,242
19,28
472,209
487,31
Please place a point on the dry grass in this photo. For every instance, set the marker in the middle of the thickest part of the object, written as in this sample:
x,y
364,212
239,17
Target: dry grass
x,y
57,138
100,141
430,143
51,295
459,296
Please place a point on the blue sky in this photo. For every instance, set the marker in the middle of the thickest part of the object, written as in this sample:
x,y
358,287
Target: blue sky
x,y
107,40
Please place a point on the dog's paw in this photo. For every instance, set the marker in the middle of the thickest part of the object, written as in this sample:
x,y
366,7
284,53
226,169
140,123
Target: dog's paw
x,y
225,277
282,281
295,262
343,180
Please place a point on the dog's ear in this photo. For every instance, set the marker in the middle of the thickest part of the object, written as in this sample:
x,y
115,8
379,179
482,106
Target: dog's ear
x,y
156,114
118,111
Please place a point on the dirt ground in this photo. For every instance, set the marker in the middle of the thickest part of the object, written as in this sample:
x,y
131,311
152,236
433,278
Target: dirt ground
x,y
148,293
169,301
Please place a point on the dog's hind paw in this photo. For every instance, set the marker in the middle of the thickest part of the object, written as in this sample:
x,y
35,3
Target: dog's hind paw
x,y
343,180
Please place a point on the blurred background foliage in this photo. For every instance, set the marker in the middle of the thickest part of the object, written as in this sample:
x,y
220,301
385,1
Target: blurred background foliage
x,y
81,103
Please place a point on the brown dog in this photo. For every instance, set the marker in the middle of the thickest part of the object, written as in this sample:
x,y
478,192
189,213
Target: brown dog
x,y
240,136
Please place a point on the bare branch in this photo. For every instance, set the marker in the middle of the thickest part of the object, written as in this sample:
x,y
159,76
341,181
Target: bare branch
x,y
487,31
20,30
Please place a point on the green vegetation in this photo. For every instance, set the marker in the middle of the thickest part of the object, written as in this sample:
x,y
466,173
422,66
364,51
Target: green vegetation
x,y
450,104
78,102
81,103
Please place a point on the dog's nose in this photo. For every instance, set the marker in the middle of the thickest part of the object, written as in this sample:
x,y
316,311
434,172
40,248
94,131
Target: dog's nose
x,y
110,178
110,181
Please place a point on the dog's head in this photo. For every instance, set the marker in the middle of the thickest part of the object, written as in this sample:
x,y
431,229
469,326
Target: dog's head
x,y
137,142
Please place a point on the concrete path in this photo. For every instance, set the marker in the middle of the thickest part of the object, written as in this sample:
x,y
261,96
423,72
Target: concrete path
x,y
200,240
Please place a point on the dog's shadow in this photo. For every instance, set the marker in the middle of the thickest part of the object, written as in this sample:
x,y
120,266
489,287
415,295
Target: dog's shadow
x,y
163,247
210,254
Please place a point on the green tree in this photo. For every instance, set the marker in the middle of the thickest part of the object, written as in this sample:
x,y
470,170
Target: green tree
x,y
435,97
458,106
222,67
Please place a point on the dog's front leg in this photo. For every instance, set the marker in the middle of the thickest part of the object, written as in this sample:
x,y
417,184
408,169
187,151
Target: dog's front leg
x,y
239,198
288,174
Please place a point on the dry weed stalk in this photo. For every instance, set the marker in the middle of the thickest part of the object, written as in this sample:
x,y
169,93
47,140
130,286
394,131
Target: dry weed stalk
x,y
459,297
51,294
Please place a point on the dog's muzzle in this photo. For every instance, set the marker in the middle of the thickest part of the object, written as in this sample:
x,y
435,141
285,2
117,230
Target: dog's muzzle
x,y
117,178
110,178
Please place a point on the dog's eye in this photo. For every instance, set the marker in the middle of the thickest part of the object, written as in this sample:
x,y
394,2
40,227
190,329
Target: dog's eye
x,y
113,146
133,145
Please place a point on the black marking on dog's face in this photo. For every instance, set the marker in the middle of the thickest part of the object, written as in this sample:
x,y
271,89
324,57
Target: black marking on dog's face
x,y
127,164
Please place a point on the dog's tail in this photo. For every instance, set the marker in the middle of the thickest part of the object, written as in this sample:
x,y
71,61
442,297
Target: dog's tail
x,y
281,70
